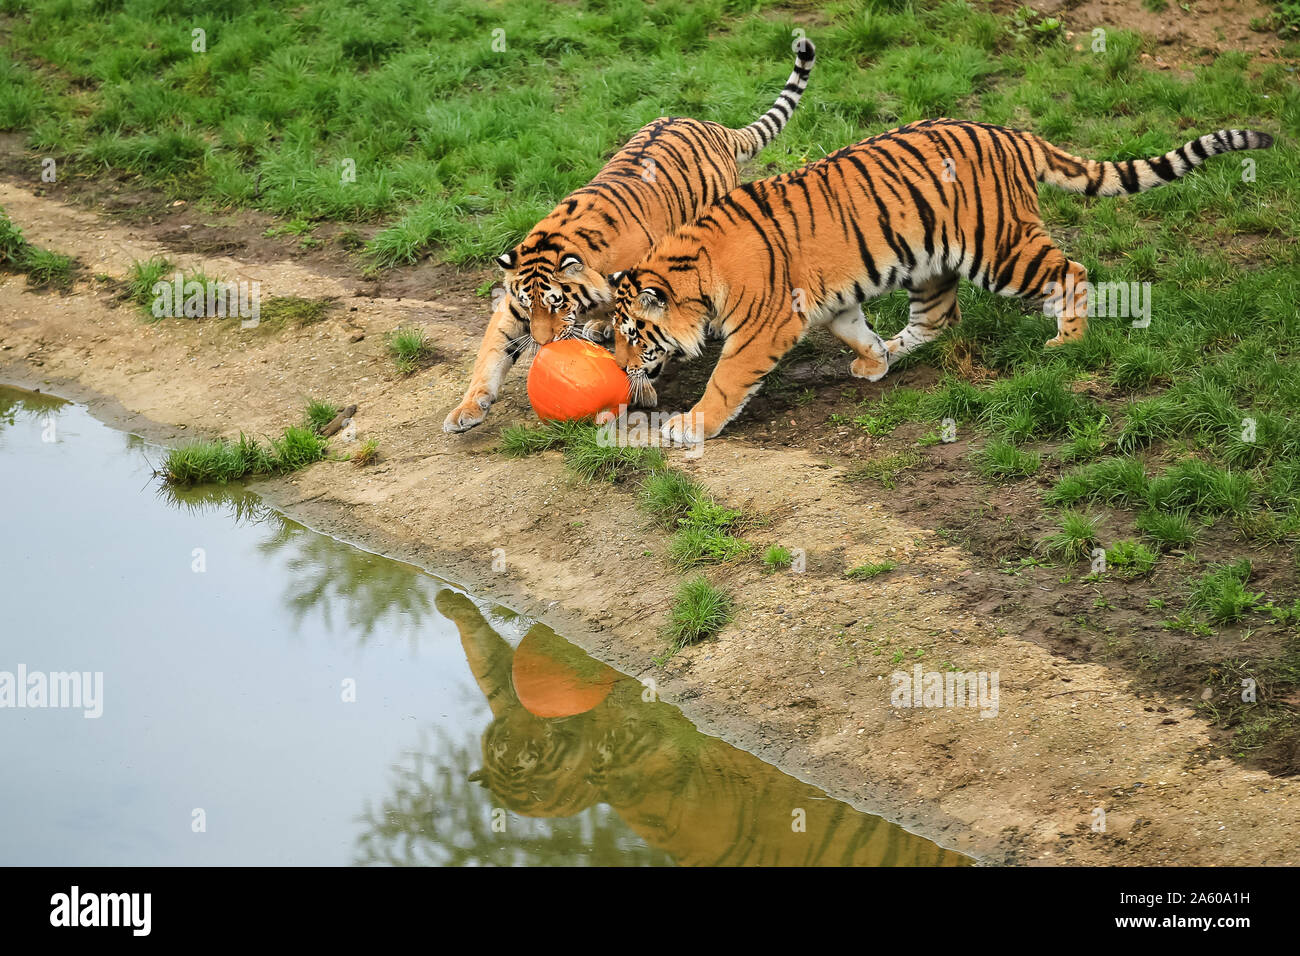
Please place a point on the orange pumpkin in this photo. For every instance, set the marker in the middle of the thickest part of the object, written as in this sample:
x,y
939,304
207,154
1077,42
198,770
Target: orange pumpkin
x,y
574,378
552,678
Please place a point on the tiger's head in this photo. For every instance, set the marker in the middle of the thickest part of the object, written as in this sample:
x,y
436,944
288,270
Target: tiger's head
x,y
538,767
553,285
653,321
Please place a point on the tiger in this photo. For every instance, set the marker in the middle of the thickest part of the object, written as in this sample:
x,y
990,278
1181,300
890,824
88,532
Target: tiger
x,y
669,783
917,208
668,173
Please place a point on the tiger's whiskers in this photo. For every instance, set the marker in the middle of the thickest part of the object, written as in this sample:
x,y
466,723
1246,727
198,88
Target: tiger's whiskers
x,y
640,391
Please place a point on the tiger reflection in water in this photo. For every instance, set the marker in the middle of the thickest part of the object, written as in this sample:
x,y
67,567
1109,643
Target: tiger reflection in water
x,y
695,797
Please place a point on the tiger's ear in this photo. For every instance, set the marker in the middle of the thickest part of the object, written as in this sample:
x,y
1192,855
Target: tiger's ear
x,y
507,260
617,277
571,264
652,298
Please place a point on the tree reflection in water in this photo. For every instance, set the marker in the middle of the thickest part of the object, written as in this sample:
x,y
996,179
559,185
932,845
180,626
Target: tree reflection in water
x,y
15,400
361,593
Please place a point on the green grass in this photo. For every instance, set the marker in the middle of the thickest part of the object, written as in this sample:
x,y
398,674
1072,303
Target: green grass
x,y
1221,593
1003,461
668,495
1202,488
409,349
367,454
594,461
1036,404
416,100
297,448
1076,539
1087,440
221,461
777,557
896,406
142,276
319,414
1130,559
1168,529
885,470
1140,366
1191,486
520,441
44,267
865,571
704,531
13,247
704,535
292,310
583,450
700,610
47,268
1111,481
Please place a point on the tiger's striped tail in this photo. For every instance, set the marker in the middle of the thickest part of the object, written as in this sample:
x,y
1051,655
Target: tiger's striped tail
x,y
1058,168
756,135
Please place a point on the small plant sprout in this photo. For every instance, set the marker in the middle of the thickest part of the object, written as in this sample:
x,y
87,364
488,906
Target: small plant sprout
x,y
367,453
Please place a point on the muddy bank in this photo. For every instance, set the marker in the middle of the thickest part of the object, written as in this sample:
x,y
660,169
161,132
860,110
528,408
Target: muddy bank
x,y
801,677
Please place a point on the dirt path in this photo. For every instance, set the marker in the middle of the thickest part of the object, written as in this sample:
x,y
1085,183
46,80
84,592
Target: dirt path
x,y
801,678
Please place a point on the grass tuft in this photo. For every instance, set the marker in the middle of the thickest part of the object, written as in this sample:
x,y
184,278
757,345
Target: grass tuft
x,y
44,267
777,557
699,611
1169,529
409,349
219,461
1130,559
1003,461
704,535
886,470
1076,539
367,454
668,495
864,571
1221,593
319,414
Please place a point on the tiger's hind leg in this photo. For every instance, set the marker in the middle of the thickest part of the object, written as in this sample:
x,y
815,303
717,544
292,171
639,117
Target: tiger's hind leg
x,y
851,327
1070,304
1036,270
932,308
506,338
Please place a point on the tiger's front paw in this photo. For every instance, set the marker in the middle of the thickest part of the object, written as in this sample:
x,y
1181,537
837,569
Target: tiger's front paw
x,y
468,413
685,430
598,330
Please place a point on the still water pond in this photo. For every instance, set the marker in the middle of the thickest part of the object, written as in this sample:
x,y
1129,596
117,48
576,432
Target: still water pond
x,y
271,695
